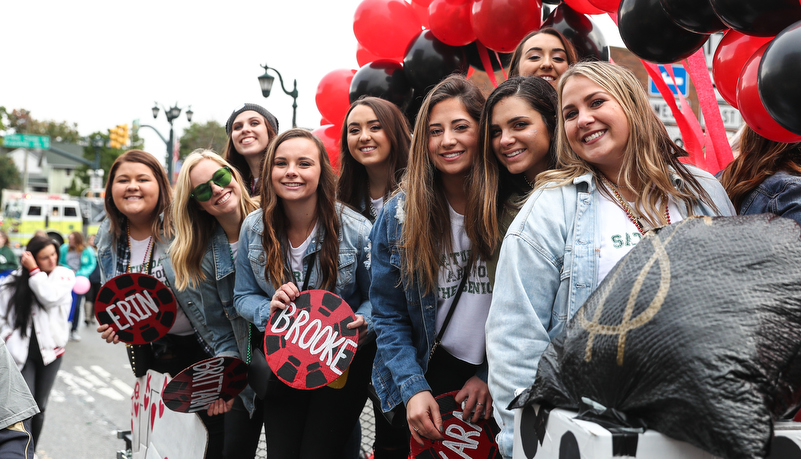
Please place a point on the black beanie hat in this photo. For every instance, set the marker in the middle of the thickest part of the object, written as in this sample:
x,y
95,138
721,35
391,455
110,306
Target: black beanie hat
x,y
256,108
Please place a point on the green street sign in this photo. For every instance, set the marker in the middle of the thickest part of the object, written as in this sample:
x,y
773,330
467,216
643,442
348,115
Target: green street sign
x,y
27,141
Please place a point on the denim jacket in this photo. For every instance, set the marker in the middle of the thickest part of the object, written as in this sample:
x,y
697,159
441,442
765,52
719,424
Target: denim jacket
x,y
547,269
779,194
404,314
189,300
230,331
252,291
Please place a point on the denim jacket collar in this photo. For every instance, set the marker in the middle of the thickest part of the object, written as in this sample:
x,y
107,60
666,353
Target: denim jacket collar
x,y
221,249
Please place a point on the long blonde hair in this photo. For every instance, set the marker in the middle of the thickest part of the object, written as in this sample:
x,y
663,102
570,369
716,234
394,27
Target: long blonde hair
x,y
193,224
427,228
650,155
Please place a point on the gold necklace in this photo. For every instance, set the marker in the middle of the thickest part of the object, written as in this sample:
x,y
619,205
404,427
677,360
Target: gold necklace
x,y
628,210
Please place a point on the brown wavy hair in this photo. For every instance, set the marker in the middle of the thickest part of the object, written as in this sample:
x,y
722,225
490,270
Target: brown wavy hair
x,y
352,184
159,226
275,220
759,159
491,181
427,228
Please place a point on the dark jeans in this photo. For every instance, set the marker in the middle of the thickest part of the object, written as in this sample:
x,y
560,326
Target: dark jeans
x,y
315,424
40,379
16,441
174,353
242,432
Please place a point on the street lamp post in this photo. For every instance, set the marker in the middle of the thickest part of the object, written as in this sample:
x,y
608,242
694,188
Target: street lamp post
x,y
266,82
172,113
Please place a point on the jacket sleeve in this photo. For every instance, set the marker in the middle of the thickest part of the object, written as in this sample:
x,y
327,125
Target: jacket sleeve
x,y
788,202
216,319
363,276
526,286
391,319
6,291
88,263
251,302
55,289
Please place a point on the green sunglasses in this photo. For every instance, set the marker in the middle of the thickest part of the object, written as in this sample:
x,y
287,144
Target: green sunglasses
x,y
220,178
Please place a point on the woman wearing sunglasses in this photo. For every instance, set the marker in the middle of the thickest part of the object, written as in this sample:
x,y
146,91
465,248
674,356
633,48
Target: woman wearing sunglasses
x,y
134,238
303,234
250,129
211,201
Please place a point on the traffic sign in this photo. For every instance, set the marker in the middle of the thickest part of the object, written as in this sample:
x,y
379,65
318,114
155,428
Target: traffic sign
x,y
681,81
41,142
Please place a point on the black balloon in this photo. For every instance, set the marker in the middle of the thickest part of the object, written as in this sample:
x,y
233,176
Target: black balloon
x,y
552,2
586,37
382,78
763,18
474,58
694,15
428,61
779,72
651,34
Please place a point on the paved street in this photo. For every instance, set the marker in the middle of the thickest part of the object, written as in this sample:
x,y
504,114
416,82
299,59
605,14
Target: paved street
x,y
91,400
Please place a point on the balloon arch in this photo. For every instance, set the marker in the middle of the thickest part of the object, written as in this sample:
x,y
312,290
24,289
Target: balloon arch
x,y
406,47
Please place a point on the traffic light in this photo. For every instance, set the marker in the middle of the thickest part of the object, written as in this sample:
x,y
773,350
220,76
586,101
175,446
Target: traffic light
x,y
124,138
118,136
114,138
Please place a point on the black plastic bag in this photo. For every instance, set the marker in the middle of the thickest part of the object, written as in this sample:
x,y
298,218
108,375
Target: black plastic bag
x,y
696,333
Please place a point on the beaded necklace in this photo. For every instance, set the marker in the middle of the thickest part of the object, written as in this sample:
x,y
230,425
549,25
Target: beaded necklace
x,y
628,210
145,260
528,181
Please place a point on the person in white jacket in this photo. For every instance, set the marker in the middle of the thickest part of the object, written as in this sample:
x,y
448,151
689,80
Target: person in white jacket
x,y
35,303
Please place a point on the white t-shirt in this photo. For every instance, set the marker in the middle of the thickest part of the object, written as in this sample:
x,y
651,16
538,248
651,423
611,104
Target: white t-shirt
x,y
464,335
618,233
182,326
295,258
377,204
234,246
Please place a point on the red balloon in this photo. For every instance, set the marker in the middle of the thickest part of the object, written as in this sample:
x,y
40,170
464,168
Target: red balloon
x,y
734,49
585,7
329,134
610,6
363,56
421,12
385,27
751,108
424,3
450,21
333,94
501,24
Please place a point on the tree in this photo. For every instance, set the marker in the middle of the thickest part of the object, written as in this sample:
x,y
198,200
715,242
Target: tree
x,y
21,122
210,135
107,157
9,175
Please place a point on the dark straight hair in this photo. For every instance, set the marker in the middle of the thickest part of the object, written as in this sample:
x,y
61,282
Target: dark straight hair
x,y
21,301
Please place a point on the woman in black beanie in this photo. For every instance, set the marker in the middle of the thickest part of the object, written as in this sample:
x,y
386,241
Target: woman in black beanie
x,y
250,129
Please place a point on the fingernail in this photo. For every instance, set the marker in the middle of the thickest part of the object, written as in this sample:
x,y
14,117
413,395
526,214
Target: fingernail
x,y
442,429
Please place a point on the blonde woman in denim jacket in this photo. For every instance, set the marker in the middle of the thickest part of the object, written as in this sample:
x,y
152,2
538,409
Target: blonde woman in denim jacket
x,y
617,176
302,229
210,204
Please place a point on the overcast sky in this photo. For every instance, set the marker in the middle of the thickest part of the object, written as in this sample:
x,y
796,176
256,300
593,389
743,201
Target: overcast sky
x,y
103,63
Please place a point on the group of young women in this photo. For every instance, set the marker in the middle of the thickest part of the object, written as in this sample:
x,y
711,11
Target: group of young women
x,y
462,248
